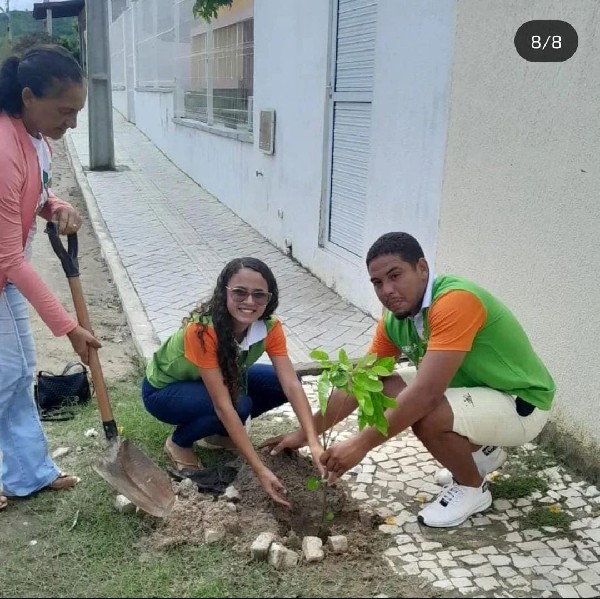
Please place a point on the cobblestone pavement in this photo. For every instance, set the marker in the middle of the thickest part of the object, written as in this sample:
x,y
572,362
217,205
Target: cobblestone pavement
x,y
500,553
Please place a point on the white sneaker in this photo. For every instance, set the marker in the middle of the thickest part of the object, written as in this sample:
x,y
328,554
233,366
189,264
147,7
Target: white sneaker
x,y
455,504
487,459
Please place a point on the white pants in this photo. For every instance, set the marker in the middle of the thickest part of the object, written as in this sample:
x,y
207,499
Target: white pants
x,y
486,416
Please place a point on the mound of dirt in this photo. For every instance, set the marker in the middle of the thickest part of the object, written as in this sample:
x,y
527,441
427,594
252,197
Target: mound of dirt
x,y
195,513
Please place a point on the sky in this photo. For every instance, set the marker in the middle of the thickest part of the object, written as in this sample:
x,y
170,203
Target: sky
x,y
19,4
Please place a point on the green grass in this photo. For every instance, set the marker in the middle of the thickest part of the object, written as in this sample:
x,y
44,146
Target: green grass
x,y
518,485
540,517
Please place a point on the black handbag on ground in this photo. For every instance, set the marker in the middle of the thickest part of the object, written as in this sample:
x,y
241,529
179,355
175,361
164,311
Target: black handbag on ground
x,y
56,395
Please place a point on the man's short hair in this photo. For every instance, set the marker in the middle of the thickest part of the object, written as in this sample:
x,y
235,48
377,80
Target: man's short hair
x,y
398,244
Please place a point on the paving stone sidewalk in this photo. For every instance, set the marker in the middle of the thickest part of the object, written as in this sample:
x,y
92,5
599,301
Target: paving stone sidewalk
x,y
495,554
173,238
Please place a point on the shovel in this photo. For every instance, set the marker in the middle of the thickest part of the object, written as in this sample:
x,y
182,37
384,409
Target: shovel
x,y
124,466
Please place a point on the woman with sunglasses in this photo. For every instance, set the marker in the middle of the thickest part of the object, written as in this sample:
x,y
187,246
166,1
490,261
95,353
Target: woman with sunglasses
x,y
205,380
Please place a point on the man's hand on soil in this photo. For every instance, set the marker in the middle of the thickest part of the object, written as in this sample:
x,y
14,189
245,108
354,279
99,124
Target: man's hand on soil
x,y
340,458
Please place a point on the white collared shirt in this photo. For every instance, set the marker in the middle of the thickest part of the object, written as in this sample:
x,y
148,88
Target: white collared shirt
x,y
255,333
419,319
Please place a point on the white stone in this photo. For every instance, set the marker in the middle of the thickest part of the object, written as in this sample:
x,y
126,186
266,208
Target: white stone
x,y
506,571
260,546
232,494
363,477
412,569
590,577
485,570
213,535
559,543
541,584
591,491
338,544
522,561
312,548
474,559
585,590
486,583
499,560
502,505
461,582
513,537
443,584
60,452
573,564
123,505
460,573
481,521
531,545
281,558
566,590
575,502
91,432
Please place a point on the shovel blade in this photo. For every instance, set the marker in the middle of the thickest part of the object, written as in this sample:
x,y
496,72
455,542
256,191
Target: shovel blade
x,y
125,468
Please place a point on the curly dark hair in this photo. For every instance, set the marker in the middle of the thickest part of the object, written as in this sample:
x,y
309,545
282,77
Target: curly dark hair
x,y
215,309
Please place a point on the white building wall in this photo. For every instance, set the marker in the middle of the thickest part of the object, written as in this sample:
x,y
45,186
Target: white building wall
x,y
520,212
281,195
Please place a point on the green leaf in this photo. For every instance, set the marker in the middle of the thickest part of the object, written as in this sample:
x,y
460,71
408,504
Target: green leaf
x,y
329,516
380,421
362,420
362,380
367,361
367,406
312,483
343,357
380,370
319,354
323,391
388,363
388,402
338,378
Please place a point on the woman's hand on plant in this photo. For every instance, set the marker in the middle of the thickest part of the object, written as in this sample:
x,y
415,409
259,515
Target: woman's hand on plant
x,y
277,444
316,451
273,486
341,457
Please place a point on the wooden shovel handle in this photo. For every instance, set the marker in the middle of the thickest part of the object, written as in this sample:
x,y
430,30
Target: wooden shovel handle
x,y
94,361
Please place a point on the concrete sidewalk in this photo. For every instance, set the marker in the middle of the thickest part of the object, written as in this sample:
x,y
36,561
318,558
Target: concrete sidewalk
x,y
166,240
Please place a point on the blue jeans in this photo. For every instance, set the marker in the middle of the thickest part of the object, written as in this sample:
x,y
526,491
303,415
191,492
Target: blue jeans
x,y
26,466
187,404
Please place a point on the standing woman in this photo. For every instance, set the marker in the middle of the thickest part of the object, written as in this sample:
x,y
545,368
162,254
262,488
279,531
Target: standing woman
x,y
40,96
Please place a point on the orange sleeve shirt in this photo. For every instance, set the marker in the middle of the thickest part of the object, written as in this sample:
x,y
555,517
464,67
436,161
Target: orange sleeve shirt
x,y
206,357
454,319
381,344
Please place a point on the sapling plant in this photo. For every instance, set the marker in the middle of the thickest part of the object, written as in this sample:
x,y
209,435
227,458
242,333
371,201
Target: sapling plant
x,y
360,379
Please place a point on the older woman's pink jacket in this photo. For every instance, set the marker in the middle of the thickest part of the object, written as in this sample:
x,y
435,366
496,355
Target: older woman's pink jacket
x,y
20,185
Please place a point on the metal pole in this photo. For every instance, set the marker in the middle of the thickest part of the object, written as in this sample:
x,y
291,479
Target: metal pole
x,y
9,21
102,151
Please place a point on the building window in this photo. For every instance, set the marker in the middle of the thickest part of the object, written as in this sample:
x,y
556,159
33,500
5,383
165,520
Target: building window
x,y
219,89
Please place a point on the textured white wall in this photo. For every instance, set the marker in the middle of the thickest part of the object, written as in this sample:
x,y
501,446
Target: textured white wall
x,y
520,209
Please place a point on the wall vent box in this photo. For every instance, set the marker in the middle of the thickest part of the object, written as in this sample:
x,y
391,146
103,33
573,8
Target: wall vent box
x,y
266,139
